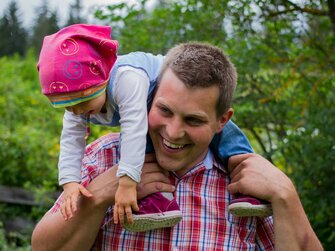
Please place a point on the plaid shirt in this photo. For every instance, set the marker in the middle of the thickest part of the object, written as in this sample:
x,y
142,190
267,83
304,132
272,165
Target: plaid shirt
x,y
203,199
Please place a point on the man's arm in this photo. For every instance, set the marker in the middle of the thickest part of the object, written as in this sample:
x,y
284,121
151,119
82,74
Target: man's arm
x,y
255,176
79,233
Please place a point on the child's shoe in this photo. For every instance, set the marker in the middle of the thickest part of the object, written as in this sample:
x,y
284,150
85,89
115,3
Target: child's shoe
x,y
156,211
249,206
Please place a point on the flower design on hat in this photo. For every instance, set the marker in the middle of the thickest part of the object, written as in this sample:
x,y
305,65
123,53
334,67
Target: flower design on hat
x,y
72,69
96,67
58,87
69,47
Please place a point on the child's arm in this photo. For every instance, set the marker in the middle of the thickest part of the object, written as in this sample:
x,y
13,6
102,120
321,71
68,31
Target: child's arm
x,y
72,191
130,94
125,200
72,147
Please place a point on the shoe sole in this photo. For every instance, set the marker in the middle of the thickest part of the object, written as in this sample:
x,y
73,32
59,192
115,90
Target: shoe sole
x,y
243,209
143,223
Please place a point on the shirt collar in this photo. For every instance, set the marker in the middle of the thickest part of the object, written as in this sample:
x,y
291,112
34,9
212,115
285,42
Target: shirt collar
x,y
206,164
210,160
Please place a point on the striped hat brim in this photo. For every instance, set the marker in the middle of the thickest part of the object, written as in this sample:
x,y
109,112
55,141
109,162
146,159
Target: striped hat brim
x,y
71,99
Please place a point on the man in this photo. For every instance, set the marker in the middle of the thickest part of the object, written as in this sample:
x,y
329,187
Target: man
x,y
192,103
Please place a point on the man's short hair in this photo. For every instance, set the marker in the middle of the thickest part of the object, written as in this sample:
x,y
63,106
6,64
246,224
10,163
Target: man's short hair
x,y
203,65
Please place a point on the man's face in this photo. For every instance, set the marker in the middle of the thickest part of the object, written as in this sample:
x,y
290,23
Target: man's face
x,y
182,123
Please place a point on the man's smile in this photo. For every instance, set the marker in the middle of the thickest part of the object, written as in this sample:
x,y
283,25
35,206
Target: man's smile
x,y
173,145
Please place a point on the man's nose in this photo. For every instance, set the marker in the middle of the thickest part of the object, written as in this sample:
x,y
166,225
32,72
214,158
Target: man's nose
x,y
175,129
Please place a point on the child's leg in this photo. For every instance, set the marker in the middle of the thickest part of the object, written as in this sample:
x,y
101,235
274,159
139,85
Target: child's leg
x,y
232,141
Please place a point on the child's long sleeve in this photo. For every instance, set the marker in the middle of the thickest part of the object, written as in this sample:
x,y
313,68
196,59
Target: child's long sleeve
x,y
130,94
72,147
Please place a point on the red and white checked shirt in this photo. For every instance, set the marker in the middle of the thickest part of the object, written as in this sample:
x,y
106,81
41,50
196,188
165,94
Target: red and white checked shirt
x,y
203,199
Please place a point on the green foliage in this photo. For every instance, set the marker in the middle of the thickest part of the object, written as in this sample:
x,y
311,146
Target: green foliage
x,y
6,245
28,146
2,236
29,142
31,127
156,31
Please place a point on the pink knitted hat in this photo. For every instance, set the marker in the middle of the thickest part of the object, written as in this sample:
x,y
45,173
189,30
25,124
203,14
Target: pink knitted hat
x,y
75,63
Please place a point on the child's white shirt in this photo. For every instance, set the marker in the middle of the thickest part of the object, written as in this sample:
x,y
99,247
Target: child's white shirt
x,y
130,93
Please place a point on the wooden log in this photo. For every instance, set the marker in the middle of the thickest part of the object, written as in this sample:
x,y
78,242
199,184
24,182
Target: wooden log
x,y
15,195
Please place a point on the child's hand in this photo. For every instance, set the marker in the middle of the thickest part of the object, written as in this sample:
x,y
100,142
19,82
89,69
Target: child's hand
x,y
71,194
125,200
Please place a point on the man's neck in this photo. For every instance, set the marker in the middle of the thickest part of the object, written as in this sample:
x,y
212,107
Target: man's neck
x,y
207,161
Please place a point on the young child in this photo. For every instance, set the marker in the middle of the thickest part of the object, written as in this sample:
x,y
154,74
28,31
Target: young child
x,y
79,70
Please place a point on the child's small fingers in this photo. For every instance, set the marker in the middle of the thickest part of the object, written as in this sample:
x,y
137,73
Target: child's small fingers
x,y
121,216
65,213
74,200
62,211
129,215
68,210
85,192
115,215
135,207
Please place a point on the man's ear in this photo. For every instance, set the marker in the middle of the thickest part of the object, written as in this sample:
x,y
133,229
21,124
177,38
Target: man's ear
x,y
224,119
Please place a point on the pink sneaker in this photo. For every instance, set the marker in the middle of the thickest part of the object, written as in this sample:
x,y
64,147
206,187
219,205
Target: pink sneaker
x,y
158,210
249,206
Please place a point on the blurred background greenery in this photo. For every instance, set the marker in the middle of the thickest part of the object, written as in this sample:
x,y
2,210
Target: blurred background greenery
x,y
285,56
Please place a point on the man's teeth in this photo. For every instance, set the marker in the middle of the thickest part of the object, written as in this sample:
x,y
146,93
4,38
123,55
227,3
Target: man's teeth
x,y
171,145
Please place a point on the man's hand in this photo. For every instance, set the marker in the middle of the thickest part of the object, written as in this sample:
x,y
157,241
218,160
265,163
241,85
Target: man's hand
x,y
125,200
72,191
154,178
253,175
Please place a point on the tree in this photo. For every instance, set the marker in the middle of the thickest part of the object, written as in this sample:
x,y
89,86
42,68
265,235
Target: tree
x,y
285,55
46,23
75,13
167,24
13,35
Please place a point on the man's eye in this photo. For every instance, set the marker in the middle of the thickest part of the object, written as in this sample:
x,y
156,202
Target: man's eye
x,y
195,121
164,109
